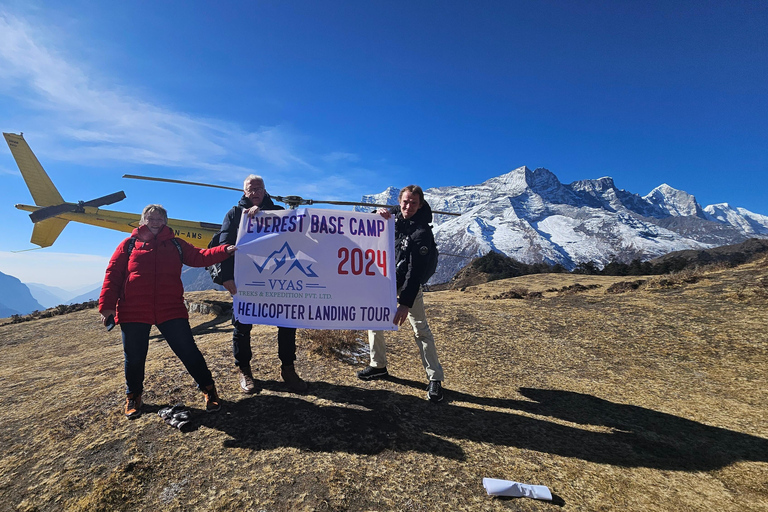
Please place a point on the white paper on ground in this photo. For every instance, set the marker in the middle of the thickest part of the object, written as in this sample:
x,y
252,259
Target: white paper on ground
x,y
496,487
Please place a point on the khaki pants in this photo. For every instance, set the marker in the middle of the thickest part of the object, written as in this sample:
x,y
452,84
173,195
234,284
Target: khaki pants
x,y
424,340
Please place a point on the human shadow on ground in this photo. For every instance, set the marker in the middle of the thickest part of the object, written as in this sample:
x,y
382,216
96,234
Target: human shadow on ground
x,y
209,327
374,422
366,421
212,326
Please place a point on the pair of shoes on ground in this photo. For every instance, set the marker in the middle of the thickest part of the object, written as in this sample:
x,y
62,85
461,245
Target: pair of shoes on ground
x,y
247,383
292,379
177,416
434,389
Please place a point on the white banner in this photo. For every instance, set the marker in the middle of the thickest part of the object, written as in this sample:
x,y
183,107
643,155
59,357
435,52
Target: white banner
x,y
316,269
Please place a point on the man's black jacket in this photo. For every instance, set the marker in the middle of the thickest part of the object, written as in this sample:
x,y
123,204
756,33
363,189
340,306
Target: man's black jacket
x,y
229,230
413,240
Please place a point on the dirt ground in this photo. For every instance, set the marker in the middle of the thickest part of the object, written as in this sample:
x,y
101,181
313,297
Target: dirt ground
x,y
652,399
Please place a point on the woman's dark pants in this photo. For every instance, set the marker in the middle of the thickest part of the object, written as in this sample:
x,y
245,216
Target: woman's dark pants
x,y
178,335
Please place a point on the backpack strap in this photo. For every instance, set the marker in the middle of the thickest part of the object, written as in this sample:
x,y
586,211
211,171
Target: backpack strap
x,y
131,245
178,248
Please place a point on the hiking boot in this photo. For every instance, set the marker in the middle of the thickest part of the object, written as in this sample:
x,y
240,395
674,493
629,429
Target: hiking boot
x,y
246,381
212,400
132,405
370,373
292,379
435,391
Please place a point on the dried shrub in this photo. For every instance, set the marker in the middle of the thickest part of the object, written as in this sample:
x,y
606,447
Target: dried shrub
x,y
345,345
625,286
516,293
577,288
687,276
574,288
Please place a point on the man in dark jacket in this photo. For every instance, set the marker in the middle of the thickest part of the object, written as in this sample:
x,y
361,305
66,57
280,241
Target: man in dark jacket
x,y
255,199
413,241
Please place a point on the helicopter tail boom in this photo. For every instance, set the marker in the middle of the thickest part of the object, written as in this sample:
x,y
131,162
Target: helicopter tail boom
x,y
43,191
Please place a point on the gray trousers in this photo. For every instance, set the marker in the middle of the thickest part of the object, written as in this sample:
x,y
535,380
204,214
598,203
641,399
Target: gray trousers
x,y
424,340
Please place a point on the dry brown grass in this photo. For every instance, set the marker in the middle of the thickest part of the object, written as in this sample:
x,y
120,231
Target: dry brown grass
x,y
344,345
653,399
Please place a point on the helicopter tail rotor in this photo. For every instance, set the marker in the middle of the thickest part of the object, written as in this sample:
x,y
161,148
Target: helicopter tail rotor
x,y
79,207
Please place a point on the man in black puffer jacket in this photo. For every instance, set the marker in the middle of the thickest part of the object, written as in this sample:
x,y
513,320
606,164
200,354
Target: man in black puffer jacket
x,y
255,199
413,243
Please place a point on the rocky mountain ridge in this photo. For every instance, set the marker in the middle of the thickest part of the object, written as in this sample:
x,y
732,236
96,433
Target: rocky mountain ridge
x,y
534,218
15,297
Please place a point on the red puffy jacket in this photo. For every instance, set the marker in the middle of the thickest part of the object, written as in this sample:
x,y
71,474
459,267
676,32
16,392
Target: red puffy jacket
x,y
147,287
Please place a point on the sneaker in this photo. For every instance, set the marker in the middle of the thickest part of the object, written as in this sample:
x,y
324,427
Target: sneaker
x,y
212,400
246,381
132,405
370,373
292,379
435,391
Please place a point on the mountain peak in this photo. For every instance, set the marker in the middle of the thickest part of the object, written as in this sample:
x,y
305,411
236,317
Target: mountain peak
x,y
598,185
544,179
674,202
388,196
513,183
532,217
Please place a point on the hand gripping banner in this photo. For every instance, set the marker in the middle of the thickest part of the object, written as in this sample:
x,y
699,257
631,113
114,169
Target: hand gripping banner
x,y
316,269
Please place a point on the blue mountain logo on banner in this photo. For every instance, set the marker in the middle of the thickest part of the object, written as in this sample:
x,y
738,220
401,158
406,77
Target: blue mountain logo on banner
x,y
281,258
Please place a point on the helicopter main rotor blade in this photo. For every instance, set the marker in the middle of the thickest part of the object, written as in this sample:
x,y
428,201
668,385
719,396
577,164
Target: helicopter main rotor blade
x,y
291,201
296,200
352,203
348,203
168,180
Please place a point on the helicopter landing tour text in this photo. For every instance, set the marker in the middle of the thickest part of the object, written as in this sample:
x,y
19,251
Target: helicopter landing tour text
x,y
316,269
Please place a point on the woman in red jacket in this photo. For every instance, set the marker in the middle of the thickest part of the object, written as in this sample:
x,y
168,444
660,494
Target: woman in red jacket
x,y
142,287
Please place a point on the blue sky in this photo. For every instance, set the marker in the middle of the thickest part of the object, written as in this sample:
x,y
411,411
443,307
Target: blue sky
x,y
335,99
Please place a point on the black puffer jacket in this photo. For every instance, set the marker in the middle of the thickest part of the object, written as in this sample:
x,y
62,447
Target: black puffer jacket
x,y
229,230
413,239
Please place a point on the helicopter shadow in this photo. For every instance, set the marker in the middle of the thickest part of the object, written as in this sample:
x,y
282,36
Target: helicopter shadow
x,y
366,421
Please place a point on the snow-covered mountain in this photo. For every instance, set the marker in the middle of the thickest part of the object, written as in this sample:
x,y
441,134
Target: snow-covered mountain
x,y
751,224
389,196
533,218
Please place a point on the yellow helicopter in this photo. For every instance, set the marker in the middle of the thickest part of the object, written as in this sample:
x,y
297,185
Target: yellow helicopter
x,y
51,213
